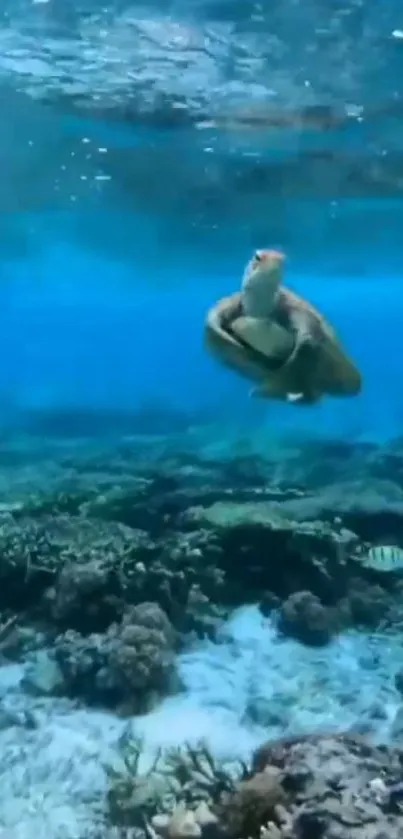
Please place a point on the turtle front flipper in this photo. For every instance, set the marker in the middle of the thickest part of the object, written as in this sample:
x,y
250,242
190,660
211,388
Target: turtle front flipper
x,y
305,350
264,336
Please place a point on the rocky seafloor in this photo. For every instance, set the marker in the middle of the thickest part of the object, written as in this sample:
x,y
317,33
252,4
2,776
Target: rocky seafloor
x,y
168,604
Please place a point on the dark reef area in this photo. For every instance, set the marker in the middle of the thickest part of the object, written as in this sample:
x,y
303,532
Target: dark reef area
x,y
116,553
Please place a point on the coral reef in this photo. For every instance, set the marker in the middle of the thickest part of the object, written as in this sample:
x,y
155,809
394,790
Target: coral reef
x,y
90,534
326,786
120,566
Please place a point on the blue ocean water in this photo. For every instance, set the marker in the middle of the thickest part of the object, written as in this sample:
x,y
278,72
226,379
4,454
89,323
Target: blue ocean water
x,y
149,150
146,151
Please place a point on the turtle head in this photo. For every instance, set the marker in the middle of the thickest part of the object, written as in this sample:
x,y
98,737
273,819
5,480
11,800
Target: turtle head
x,y
261,281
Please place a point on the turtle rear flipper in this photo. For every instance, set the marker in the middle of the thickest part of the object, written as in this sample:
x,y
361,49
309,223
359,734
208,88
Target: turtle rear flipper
x,y
268,391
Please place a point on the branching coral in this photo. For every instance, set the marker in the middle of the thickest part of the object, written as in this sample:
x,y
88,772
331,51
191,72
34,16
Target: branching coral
x,y
175,796
134,796
199,775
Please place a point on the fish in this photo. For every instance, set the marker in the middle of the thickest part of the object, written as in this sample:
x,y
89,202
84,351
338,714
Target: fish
x,y
385,558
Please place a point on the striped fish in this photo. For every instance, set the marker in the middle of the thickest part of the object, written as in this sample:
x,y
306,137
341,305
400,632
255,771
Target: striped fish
x,y
384,558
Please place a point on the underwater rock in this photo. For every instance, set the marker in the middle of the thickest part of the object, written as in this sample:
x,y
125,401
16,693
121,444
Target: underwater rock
x,y
303,617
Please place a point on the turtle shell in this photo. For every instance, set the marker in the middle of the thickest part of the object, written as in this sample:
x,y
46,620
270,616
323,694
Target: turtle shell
x,y
259,350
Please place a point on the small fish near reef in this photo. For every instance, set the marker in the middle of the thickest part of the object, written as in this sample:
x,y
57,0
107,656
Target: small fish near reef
x,y
384,558
278,340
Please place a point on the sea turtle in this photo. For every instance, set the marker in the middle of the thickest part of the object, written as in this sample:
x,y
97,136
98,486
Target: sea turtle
x,y
272,336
